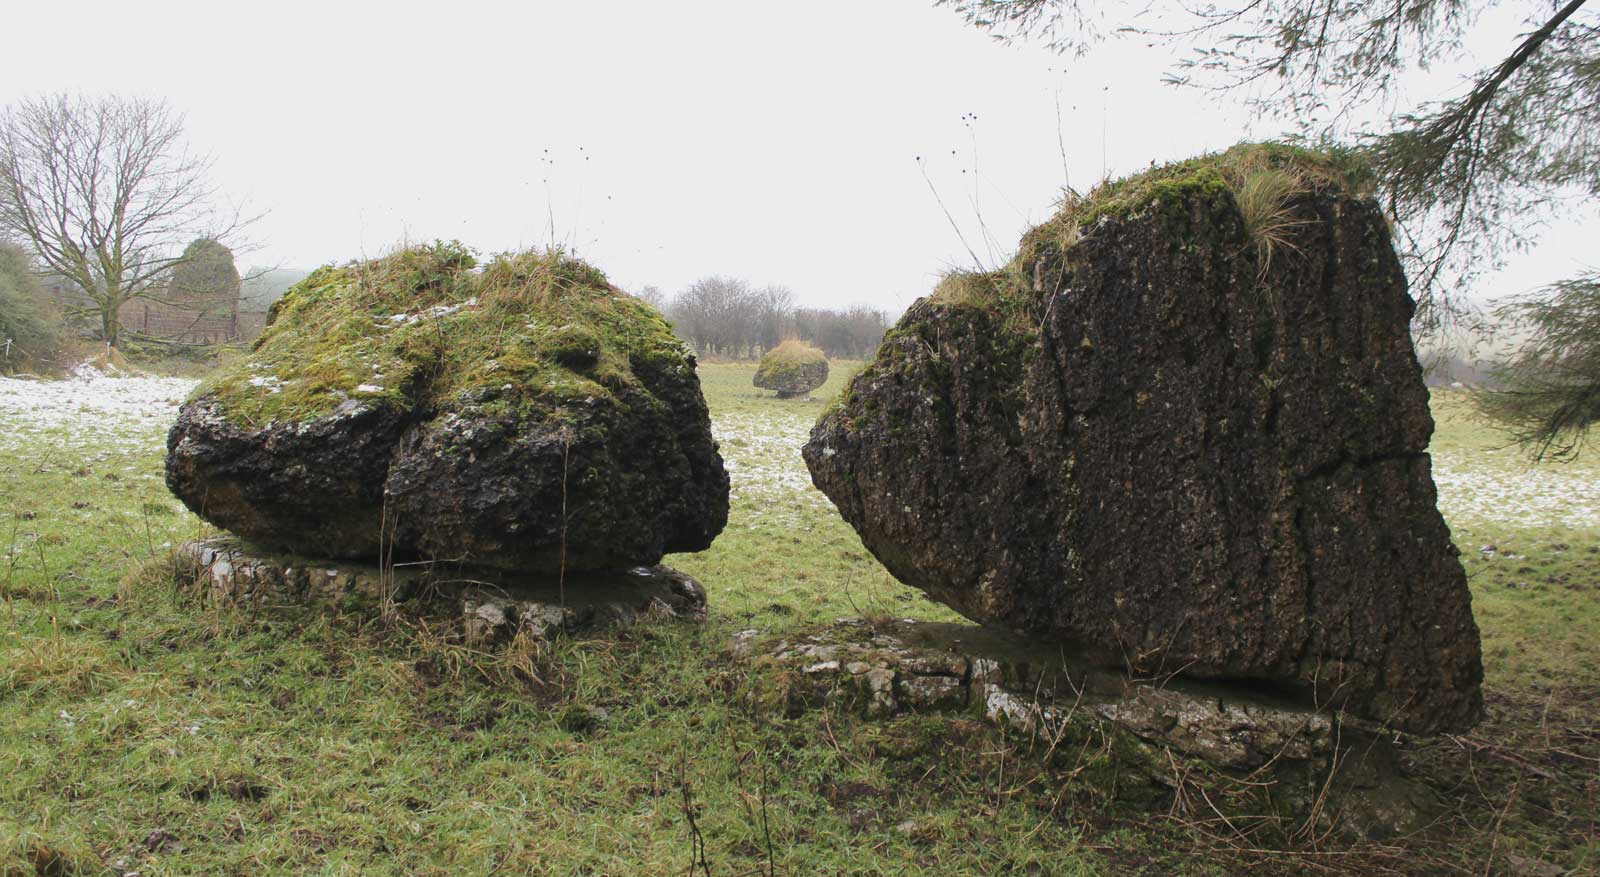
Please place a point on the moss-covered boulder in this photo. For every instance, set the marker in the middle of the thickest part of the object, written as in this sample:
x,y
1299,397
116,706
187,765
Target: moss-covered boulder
x,y
793,368
1183,431
524,415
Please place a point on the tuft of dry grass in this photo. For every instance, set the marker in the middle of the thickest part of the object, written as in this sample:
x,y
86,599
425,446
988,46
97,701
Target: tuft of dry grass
x,y
797,352
1265,197
968,288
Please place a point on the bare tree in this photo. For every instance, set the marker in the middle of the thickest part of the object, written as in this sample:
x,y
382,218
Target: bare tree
x,y
774,309
852,334
654,297
717,315
726,317
108,194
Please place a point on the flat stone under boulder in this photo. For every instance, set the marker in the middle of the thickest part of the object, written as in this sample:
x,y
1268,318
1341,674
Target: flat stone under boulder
x,y
1183,432
525,415
492,605
1153,739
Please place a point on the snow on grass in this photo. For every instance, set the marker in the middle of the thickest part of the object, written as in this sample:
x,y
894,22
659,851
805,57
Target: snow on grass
x,y
90,411
1497,490
761,450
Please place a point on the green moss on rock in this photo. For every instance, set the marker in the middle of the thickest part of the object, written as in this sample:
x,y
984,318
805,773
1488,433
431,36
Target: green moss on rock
x,y
524,416
426,325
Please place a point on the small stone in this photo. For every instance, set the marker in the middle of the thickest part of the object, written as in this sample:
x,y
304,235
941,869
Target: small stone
x,y
880,691
933,664
1002,706
744,643
159,840
492,605
491,614
987,670
543,620
933,692
1236,735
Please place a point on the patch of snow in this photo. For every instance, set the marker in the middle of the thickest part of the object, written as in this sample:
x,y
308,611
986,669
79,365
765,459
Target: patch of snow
x,y
100,412
272,384
1511,493
432,313
761,452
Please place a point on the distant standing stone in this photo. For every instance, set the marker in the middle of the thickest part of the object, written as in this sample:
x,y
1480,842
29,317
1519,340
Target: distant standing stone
x,y
793,368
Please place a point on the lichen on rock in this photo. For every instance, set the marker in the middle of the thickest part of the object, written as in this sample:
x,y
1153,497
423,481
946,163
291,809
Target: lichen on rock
x,y
793,368
1183,430
526,415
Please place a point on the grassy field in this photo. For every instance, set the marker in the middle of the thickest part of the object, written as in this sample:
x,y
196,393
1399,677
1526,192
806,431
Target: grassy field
x,y
145,732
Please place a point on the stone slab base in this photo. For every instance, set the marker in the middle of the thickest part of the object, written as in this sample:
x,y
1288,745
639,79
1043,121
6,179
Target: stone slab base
x,y
493,606
1307,764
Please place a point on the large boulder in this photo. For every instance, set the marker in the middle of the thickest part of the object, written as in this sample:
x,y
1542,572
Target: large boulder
x,y
793,368
1183,431
525,416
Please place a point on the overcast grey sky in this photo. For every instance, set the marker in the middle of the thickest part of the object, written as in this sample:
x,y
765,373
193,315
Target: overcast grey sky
x,y
772,141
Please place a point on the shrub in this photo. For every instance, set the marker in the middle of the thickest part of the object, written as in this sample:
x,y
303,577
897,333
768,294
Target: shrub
x,y
30,324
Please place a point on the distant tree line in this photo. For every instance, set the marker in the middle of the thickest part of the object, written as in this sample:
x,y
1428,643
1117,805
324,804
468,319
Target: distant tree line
x,y
727,317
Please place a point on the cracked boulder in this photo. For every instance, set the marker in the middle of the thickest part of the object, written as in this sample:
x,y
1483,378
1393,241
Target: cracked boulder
x,y
525,415
1184,431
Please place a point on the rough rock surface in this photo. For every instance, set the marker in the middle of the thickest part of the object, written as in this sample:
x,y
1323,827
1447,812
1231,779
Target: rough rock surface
x,y
792,369
1146,441
532,605
527,417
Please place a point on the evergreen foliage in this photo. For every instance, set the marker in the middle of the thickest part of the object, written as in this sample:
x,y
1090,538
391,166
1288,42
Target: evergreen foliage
x,y
205,272
1549,392
1461,175
30,326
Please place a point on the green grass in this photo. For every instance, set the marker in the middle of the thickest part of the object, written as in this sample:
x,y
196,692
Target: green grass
x,y
1533,558
144,730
